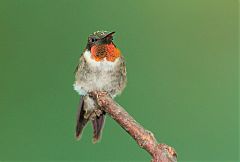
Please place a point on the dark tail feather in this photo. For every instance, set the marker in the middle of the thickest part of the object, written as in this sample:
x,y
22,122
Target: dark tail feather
x,y
98,124
81,121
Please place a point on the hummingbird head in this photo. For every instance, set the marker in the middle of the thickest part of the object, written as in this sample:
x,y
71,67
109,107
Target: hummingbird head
x,y
100,44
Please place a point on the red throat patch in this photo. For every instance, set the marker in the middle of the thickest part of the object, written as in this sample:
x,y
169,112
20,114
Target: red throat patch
x,y
108,51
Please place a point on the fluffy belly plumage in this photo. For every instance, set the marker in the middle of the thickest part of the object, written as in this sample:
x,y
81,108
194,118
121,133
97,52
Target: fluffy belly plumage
x,y
99,81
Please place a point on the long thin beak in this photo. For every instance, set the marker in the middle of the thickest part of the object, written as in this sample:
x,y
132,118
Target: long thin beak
x,y
110,34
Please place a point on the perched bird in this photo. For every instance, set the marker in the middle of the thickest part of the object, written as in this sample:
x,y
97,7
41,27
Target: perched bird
x,y
101,68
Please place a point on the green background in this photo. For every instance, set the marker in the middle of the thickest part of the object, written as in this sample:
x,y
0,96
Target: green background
x,y
182,63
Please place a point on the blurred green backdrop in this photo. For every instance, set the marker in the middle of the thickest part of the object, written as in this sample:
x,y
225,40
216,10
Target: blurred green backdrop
x,y
182,62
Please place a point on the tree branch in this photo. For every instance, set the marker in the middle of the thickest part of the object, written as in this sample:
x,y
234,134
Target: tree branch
x,y
144,138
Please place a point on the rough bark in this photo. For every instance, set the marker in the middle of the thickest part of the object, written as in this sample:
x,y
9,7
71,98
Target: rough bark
x,y
144,138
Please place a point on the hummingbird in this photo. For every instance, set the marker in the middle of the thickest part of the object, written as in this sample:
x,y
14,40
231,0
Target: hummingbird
x,y
101,67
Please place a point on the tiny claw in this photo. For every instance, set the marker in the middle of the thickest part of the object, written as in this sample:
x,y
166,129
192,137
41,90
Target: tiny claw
x,y
98,112
101,93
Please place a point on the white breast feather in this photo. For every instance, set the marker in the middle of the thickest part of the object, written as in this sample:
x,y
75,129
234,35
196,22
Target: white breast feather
x,y
103,64
97,82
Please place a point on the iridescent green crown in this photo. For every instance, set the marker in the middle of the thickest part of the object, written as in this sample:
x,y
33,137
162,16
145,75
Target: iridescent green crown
x,y
99,34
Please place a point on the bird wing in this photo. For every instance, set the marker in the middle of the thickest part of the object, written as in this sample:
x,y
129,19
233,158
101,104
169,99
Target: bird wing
x,y
81,61
123,73
81,121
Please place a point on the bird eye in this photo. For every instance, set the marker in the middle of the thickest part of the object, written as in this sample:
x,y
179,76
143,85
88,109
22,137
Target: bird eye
x,y
92,40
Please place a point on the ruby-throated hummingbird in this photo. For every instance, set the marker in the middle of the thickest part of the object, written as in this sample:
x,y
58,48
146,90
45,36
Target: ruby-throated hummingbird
x,y
101,68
